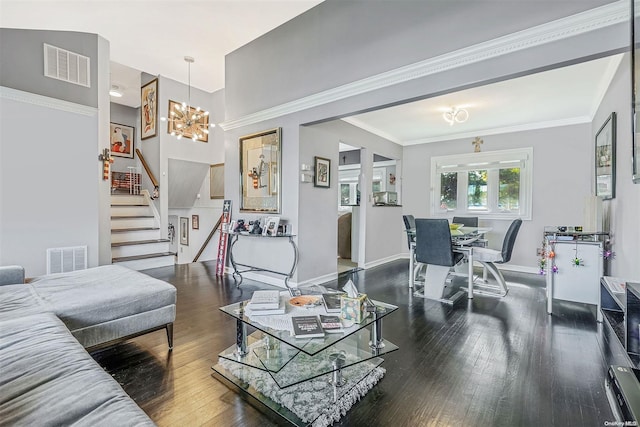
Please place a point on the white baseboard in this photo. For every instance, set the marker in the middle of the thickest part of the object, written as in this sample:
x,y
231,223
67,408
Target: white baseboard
x,y
385,260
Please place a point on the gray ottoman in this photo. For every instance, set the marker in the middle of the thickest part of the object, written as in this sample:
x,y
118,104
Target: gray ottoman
x,y
108,303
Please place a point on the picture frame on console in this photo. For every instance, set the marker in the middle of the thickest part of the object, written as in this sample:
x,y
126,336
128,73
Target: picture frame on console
x,y
122,139
149,109
605,159
260,171
322,172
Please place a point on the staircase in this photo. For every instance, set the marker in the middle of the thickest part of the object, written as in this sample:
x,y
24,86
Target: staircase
x,y
135,233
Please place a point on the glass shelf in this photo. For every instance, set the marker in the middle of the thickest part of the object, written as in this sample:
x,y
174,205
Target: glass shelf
x,y
309,346
267,354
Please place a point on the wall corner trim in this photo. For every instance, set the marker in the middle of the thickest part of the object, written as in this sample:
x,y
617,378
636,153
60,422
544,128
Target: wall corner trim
x,y
570,26
45,101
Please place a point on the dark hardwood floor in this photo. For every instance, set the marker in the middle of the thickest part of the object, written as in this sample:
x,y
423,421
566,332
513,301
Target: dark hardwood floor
x,y
482,362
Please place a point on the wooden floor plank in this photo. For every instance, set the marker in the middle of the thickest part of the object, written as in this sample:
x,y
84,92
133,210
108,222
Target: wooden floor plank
x,y
483,362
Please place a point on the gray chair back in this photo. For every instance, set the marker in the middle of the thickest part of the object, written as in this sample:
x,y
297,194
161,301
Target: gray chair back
x,y
468,221
510,240
433,243
409,223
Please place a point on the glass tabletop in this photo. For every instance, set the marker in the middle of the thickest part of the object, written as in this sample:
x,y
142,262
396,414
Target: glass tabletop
x,y
279,325
460,232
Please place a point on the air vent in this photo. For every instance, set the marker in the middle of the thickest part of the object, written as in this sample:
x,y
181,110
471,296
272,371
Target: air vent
x,y
64,65
62,260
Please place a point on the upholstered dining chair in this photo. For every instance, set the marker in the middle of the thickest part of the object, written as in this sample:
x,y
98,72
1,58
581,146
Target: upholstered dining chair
x,y
409,223
466,221
435,250
490,257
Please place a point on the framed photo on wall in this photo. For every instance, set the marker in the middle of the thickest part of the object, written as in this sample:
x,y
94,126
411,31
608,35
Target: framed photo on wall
x,y
195,222
606,159
149,109
322,175
216,181
184,231
122,137
260,171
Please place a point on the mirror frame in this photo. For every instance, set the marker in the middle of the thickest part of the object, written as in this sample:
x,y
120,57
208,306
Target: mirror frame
x,y
635,80
260,171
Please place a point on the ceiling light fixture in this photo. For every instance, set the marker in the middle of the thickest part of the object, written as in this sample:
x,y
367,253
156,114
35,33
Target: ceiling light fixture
x,y
455,115
115,91
186,120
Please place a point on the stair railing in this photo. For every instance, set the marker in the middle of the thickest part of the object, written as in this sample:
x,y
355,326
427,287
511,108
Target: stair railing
x,y
152,178
206,242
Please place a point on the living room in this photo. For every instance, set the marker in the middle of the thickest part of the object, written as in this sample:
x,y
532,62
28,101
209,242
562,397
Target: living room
x,y
260,91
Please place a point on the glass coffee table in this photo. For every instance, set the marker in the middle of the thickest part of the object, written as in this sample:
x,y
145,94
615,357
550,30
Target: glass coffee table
x,y
283,363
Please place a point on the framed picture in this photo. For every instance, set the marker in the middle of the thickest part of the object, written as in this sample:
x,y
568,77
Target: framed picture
x,y
149,109
216,181
203,120
122,137
606,159
322,176
195,222
271,226
260,171
184,231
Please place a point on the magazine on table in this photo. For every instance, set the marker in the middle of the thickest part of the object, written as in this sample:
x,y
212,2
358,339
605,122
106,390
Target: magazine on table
x,y
264,300
331,323
307,327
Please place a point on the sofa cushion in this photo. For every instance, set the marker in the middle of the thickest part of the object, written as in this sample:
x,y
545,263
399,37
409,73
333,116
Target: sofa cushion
x,y
89,297
47,378
19,300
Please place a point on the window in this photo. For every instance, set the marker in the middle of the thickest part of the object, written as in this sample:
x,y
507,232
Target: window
x,y
490,184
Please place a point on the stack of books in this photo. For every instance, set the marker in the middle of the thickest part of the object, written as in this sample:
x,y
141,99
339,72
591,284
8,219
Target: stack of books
x,y
264,303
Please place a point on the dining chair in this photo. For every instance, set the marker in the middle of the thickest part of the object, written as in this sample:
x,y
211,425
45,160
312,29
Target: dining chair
x,y
466,221
435,250
490,257
409,223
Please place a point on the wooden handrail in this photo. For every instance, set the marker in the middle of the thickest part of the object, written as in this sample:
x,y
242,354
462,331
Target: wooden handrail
x,y
153,179
206,242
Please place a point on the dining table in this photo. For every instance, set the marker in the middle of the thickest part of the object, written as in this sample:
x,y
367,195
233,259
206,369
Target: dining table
x,y
462,239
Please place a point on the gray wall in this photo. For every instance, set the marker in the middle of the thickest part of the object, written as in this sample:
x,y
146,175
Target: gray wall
x,y
338,42
22,63
562,167
51,190
623,209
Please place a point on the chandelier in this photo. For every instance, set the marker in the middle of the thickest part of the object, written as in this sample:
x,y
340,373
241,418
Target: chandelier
x,y
455,115
185,120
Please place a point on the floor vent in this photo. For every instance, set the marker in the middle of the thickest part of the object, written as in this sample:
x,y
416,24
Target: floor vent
x,y
62,260
64,65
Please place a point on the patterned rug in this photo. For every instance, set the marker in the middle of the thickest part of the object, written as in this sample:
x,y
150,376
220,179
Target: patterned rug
x,y
312,401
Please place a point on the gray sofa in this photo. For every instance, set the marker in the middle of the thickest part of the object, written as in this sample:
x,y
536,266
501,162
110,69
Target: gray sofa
x,y
46,375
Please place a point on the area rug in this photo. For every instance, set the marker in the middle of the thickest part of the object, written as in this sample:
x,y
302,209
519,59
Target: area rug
x,y
312,401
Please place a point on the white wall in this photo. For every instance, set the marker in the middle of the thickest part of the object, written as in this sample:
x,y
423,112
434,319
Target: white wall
x,y
562,169
623,209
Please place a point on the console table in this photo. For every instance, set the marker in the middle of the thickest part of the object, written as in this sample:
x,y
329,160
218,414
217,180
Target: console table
x,y
567,280
237,273
342,360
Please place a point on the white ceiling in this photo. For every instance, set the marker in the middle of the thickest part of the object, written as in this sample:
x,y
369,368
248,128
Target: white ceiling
x,y
561,96
154,36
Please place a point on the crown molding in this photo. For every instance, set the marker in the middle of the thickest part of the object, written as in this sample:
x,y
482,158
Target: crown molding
x,y
47,102
570,26
501,130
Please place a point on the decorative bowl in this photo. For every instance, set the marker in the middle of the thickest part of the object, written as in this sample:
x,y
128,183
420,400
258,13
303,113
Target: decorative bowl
x,y
455,225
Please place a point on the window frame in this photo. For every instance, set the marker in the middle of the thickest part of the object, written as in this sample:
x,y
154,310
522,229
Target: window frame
x,y
492,161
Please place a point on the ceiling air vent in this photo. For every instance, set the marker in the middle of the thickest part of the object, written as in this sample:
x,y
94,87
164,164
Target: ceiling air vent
x,y
64,65
62,260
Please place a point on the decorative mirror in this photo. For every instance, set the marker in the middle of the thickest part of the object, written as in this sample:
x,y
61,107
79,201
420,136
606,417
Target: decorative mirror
x,y
260,181
635,80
